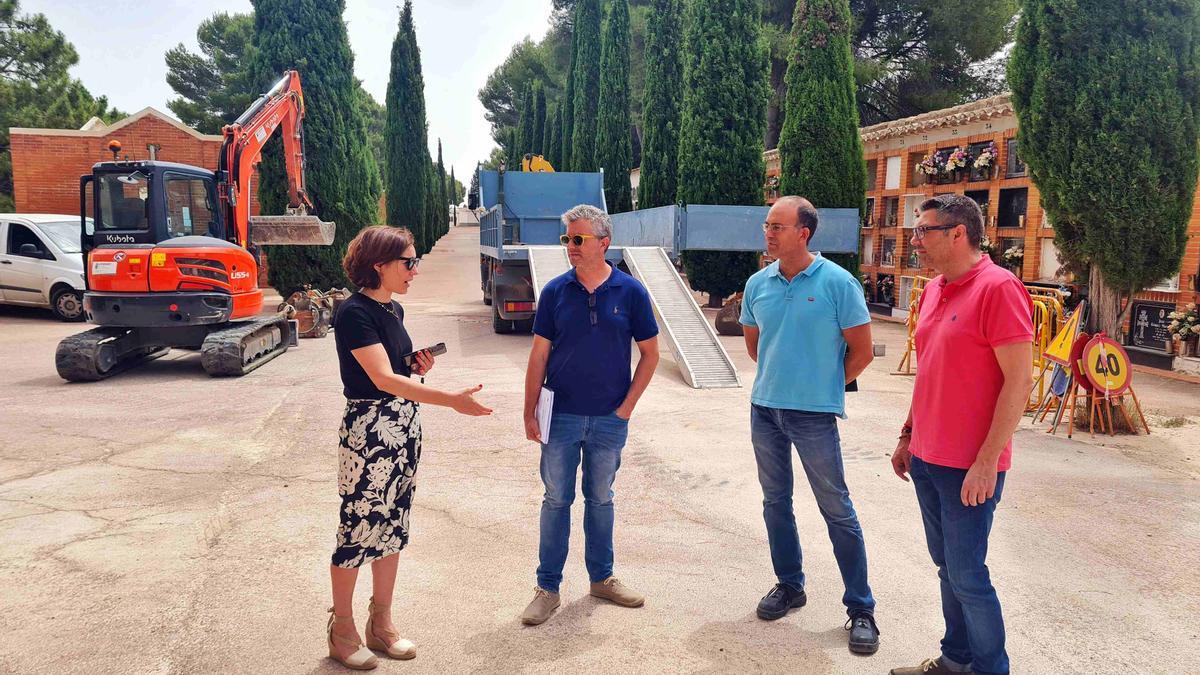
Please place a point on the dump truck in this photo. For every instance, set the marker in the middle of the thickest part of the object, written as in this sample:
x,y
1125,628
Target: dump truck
x,y
519,251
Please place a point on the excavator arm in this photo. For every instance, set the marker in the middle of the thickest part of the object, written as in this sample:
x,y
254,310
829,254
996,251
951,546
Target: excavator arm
x,y
282,108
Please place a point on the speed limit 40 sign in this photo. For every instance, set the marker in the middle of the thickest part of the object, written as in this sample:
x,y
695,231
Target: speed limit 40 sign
x,y
1106,366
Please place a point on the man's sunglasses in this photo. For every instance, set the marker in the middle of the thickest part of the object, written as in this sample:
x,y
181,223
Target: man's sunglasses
x,y
576,239
410,263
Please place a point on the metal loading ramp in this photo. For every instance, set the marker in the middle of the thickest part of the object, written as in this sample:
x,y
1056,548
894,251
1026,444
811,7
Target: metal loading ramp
x,y
545,263
703,360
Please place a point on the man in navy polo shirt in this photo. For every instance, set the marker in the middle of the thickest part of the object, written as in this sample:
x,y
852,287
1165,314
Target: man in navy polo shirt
x,y
586,323
806,325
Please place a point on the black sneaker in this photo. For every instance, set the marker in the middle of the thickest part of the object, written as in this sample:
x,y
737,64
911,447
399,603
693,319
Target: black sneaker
x,y
864,634
781,599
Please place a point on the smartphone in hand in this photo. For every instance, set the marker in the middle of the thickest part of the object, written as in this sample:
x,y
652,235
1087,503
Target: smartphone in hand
x,y
410,359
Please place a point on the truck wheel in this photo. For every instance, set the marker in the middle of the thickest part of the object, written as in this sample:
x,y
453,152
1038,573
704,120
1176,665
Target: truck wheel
x,y
501,325
67,304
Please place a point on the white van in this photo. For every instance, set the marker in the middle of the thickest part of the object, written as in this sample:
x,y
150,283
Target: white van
x,y
41,263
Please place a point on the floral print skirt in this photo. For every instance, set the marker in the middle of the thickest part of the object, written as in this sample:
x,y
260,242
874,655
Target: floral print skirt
x,y
377,464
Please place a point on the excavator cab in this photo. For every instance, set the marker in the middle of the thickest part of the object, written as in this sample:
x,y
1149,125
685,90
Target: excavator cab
x,y
149,202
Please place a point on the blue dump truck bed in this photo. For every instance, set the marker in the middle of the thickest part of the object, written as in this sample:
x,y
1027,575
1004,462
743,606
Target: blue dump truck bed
x,y
525,208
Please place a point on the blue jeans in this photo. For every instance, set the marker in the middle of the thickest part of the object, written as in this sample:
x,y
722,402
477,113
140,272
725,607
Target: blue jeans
x,y
598,440
957,536
773,432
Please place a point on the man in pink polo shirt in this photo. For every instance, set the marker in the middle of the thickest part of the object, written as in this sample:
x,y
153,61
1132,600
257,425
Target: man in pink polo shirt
x,y
974,339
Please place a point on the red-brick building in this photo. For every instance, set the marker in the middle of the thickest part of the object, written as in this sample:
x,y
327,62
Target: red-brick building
x,y
1009,199
47,163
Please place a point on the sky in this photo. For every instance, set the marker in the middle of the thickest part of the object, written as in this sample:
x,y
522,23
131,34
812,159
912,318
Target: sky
x,y
121,53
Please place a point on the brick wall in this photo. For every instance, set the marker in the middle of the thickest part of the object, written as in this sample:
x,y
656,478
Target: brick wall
x,y
47,163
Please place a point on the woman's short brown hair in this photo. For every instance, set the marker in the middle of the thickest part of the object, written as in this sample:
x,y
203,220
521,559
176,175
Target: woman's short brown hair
x,y
374,245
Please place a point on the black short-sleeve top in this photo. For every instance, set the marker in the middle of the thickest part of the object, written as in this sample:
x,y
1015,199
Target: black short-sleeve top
x,y
361,322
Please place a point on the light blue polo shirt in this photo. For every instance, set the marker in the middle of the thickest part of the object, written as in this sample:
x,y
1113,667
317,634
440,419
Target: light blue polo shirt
x,y
801,351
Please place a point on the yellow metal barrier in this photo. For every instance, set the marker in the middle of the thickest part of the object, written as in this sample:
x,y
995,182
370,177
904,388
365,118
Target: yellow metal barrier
x,y
910,345
1049,316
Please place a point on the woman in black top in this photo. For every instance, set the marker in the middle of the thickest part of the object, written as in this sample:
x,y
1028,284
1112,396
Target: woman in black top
x,y
380,439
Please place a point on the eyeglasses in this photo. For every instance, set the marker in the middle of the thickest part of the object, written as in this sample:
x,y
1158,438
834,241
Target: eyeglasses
x,y
410,263
775,228
576,239
920,230
592,306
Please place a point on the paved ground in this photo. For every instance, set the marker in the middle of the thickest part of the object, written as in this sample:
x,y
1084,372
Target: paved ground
x,y
166,522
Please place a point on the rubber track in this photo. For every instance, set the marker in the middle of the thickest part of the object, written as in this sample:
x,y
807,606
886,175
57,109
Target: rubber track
x,y
222,353
78,357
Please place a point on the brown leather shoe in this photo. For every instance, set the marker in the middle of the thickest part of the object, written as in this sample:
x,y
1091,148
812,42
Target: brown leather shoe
x,y
613,590
541,607
928,667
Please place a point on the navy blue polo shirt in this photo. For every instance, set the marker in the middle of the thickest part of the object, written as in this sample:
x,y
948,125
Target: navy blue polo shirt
x,y
589,367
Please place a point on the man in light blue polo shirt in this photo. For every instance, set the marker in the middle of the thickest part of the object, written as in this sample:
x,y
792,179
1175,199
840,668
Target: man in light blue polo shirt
x,y
806,325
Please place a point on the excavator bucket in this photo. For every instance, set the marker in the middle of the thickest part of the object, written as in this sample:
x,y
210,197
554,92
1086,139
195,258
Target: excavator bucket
x,y
294,230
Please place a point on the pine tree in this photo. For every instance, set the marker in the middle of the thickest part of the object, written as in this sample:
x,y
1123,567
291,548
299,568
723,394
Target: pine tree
x,y
820,151
660,106
528,120
341,175
613,151
537,144
1106,98
587,85
723,120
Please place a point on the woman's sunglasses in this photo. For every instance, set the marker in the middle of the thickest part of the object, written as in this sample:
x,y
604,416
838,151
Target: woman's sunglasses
x,y
410,263
576,239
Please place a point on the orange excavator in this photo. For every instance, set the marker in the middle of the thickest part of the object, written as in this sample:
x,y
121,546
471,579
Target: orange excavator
x,y
170,252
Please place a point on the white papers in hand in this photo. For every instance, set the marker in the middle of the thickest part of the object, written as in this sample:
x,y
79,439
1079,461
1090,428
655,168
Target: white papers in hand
x,y
545,406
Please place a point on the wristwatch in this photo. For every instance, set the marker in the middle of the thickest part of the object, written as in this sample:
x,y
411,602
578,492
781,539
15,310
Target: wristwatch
x,y
906,431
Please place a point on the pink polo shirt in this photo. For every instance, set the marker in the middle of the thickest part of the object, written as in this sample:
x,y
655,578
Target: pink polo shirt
x,y
958,377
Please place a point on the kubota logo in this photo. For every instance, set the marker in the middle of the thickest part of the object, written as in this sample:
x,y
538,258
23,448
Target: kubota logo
x,y
119,256
119,238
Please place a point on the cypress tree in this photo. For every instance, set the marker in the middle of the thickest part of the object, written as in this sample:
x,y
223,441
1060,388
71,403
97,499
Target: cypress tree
x,y
613,151
431,234
443,195
405,135
537,143
660,106
550,142
723,121
525,133
454,198
511,155
342,179
820,151
1106,97
587,85
568,109
564,137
